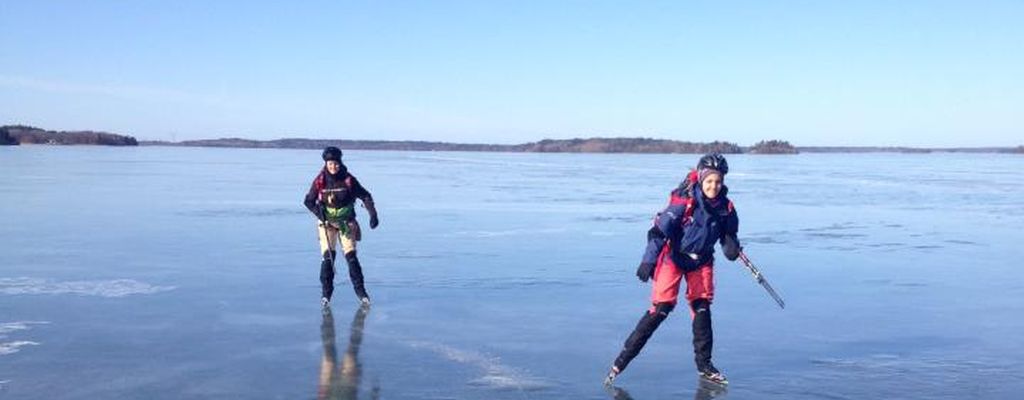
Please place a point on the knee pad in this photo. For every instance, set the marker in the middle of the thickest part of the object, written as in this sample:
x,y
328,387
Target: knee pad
x,y
700,305
662,309
330,255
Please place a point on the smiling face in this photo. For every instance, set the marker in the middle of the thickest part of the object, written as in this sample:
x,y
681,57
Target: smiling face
x,y
333,167
711,185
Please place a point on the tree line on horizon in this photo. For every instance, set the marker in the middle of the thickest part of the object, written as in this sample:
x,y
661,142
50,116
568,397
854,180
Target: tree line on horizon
x,y
590,145
22,134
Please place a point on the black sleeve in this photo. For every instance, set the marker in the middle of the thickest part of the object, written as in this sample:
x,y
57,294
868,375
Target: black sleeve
x,y
732,221
310,201
359,191
731,246
730,242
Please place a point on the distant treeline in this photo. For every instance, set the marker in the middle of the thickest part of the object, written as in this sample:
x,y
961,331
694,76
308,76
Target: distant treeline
x,y
592,145
627,145
21,134
321,143
876,149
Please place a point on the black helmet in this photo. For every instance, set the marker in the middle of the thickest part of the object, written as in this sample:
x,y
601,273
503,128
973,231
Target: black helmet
x,y
332,153
714,161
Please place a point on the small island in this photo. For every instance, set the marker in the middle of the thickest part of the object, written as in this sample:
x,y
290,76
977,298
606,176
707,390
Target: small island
x,y
772,147
21,134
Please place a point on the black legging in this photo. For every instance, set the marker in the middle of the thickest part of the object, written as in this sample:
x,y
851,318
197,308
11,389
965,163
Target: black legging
x,y
703,337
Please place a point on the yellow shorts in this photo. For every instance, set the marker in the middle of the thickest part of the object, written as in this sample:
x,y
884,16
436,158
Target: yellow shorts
x,y
331,234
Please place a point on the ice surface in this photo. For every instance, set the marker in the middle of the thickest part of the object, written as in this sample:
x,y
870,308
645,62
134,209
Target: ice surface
x,y
178,273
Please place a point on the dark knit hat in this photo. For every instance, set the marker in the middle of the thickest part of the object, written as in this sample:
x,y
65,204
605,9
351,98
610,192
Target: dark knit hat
x,y
703,173
332,153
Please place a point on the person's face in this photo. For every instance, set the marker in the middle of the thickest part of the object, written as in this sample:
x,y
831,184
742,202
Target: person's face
x,y
333,167
712,185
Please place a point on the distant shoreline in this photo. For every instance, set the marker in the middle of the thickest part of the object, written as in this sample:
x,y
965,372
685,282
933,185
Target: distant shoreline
x,y
25,135
591,145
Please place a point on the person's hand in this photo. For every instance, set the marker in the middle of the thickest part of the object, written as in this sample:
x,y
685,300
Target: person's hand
x,y
644,271
731,247
374,222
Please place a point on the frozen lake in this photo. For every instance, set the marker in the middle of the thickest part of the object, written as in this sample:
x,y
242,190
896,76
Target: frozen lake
x,y
179,273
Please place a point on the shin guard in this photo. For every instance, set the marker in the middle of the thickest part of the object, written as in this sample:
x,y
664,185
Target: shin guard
x,y
648,323
703,337
327,274
355,273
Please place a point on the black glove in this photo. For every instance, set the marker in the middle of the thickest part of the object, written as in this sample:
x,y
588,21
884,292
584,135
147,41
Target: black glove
x,y
373,213
644,271
320,215
731,247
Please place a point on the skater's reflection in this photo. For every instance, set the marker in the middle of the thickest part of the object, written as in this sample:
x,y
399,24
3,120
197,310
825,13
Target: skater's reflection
x,y
342,381
709,390
618,393
705,391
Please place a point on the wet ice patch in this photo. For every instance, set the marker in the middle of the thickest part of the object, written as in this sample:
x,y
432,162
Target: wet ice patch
x,y
102,288
496,375
7,328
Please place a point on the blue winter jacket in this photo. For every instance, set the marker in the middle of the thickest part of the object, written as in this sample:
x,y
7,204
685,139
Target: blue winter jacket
x,y
691,224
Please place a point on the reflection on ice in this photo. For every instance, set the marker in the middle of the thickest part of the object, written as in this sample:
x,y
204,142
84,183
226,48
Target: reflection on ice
x,y
704,391
341,381
707,391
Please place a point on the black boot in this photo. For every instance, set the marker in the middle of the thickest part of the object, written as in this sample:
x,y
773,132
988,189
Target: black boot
x,y
355,273
327,275
648,323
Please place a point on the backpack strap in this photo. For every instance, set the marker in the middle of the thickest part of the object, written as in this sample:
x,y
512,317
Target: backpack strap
x,y
682,197
319,183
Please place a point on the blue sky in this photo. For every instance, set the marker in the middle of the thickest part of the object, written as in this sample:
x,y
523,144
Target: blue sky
x,y
917,73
